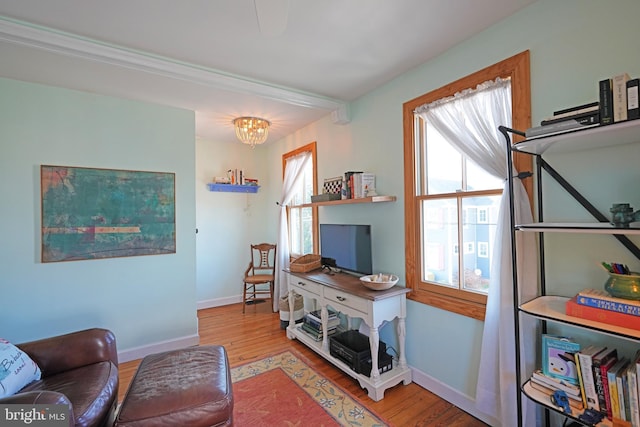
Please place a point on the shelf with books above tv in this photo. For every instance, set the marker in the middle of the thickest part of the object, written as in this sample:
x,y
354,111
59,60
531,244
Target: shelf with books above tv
x,y
370,199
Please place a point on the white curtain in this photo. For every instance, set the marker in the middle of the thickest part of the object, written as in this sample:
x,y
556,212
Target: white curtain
x,y
293,171
469,121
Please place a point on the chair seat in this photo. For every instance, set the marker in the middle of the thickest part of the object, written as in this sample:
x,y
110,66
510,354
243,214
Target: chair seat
x,y
259,278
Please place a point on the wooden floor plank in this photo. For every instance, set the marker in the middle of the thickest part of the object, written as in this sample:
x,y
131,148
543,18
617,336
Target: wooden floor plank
x,y
257,334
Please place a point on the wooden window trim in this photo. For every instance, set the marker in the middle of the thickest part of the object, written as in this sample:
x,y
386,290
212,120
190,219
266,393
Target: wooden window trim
x,y
314,158
454,300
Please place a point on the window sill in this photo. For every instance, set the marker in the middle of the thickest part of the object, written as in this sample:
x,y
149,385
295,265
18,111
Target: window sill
x,y
459,306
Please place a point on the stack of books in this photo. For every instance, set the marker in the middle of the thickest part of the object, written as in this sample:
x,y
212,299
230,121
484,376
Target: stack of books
x,y
548,385
312,324
578,117
599,306
618,101
609,383
358,185
595,377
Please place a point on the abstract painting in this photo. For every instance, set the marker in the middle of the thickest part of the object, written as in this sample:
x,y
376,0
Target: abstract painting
x,y
105,213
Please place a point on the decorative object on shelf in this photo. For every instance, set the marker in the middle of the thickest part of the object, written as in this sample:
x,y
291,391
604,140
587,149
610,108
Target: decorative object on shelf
x,y
379,282
333,185
625,286
623,215
252,130
305,263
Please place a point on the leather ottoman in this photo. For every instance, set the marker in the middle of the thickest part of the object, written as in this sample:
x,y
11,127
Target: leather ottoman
x,y
187,387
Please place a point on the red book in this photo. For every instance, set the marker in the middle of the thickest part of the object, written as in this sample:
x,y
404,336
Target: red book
x,y
572,308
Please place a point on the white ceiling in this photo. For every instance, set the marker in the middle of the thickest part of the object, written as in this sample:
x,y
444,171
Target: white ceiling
x,y
292,63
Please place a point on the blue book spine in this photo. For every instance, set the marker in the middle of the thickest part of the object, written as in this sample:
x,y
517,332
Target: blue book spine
x,y
620,307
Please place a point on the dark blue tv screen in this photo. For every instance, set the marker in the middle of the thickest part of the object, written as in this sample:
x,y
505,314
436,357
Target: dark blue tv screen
x,y
347,247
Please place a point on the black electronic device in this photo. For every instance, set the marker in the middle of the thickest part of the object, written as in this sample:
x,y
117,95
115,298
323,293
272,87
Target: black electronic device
x,y
347,247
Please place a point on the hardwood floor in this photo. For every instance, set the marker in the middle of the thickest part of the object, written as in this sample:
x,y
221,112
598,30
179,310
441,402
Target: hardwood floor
x,y
257,334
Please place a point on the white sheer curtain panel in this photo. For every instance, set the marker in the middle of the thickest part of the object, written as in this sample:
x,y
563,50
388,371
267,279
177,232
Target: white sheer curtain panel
x,y
293,171
469,121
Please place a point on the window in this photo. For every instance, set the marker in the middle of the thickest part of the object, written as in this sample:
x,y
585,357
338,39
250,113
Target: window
x,y
452,203
303,217
483,249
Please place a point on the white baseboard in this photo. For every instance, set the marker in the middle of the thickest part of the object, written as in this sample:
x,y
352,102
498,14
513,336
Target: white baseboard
x,y
158,347
453,396
218,302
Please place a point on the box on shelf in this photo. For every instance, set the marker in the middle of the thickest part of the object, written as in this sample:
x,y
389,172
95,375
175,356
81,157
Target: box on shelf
x,y
325,197
353,348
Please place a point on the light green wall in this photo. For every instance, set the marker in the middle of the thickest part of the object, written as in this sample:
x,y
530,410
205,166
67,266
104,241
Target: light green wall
x,y
145,299
228,222
573,44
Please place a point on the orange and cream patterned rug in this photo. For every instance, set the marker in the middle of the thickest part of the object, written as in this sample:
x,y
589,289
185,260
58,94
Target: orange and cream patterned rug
x,y
282,390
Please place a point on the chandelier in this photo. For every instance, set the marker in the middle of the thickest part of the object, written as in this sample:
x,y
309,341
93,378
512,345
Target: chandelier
x,y
252,130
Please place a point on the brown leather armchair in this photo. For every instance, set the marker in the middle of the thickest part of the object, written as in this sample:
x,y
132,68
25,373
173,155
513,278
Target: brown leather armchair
x,y
79,369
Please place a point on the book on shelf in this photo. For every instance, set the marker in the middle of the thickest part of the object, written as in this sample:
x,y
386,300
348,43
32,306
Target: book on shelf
x,y
348,178
605,90
599,298
623,393
605,358
544,394
604,370
633,100
574,309
367,183
315,333
557,128
583,108
317,324
612,372
580,381
634,404
586,369
557,384
558,358
317,315
619,89
588,117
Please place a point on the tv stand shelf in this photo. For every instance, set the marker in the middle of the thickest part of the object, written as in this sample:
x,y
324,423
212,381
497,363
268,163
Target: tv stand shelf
x,y
372,199
345,294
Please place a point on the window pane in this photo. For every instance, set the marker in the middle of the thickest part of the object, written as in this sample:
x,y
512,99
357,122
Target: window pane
x,y
295,231
444,164
478,236
307,231
440,242
478,179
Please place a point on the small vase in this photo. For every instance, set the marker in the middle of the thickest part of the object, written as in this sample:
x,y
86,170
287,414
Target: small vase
x,y
623,285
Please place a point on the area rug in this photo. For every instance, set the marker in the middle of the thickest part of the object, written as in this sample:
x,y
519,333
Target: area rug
x,y
282,390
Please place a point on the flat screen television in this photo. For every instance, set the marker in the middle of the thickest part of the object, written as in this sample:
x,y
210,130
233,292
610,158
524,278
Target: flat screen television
x,y
347,247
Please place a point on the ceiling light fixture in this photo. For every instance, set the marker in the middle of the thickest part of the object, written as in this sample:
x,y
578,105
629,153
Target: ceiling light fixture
x,y
252,130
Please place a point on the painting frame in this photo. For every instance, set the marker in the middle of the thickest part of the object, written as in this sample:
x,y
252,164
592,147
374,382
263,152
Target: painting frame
x,y
95,213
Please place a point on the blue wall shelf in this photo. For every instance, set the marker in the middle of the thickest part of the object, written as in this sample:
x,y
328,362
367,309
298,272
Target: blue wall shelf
x,y
233,188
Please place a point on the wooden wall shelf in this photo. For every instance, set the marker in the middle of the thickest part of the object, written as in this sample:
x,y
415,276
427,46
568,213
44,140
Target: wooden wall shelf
x,y
373,199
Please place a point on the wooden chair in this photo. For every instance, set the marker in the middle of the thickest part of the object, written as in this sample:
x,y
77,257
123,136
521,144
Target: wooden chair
x,y
260,272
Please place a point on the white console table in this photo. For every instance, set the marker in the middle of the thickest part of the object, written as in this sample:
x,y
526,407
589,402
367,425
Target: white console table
x,y
346,294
